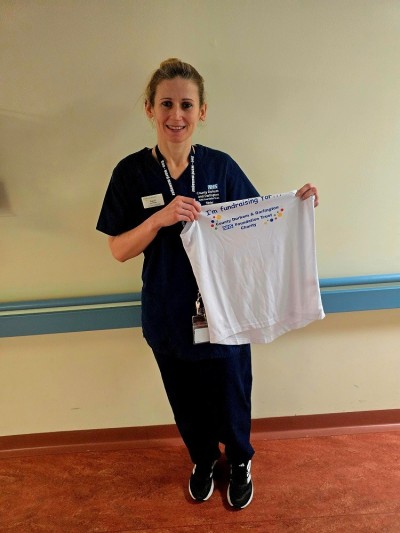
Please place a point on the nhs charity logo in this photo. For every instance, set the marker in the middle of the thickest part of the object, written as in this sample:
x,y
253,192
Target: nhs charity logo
x,y
251,219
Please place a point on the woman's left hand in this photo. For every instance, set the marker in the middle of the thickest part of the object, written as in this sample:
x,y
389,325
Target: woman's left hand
x,y
308,190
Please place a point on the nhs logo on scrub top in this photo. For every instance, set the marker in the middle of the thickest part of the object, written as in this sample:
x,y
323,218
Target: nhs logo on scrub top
x,y
213,187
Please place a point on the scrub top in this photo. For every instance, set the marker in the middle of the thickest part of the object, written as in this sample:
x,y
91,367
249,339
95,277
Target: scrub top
x,y
169,288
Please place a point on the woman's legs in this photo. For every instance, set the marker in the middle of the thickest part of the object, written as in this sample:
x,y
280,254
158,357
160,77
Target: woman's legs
x,y
233,386
211,402
191,403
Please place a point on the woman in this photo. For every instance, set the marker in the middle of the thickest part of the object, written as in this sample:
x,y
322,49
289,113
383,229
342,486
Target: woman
x,y
151,193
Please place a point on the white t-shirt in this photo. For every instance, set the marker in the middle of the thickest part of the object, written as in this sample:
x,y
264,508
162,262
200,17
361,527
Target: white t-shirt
x,y
255,264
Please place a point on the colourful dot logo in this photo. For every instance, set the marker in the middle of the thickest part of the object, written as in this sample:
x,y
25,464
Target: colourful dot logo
x,y
275,216
214,220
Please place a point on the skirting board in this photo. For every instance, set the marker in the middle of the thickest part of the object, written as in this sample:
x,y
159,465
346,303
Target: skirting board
x,y
288,427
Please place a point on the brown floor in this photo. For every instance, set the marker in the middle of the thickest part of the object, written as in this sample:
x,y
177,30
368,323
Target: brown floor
x,y
347,483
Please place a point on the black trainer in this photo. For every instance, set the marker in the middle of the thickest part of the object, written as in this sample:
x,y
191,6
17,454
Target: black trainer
x,y
201,483
240,490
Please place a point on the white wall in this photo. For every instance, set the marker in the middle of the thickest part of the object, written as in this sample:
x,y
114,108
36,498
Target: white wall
x,y
306,90
297,91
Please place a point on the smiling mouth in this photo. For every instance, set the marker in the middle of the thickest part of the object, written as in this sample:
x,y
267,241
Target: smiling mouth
x,y
175,128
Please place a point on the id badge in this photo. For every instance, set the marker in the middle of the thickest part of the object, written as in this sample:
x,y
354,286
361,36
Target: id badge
x,y
154,200
200,329
199,323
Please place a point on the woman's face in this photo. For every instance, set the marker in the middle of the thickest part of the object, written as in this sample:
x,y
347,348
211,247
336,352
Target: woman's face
x,y
176,111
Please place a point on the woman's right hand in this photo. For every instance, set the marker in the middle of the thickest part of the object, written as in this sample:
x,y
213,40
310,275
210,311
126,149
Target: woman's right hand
x,y
181,209
133,242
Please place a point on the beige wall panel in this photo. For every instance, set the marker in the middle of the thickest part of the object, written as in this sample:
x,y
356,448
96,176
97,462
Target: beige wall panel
x,y
347,362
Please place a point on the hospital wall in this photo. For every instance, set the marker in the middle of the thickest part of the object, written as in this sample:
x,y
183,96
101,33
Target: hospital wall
x,y
297,91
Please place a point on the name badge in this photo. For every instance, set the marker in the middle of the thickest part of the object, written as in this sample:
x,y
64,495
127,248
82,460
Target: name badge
x,y
155,200
200,330
199,322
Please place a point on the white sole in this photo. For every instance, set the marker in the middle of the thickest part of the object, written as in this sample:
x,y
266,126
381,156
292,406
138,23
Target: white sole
x,y
248,503
208,495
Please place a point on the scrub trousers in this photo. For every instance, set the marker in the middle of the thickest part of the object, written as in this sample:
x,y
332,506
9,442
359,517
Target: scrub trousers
x,y
211,403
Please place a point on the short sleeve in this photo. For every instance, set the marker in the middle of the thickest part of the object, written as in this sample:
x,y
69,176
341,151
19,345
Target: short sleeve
x,y
117,213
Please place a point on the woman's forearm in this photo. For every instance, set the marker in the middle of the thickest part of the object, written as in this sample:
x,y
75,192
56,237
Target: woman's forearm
x,y
133,242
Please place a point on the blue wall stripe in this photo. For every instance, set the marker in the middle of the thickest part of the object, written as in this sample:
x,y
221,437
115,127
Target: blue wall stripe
x,y
70,321
359,280
71,302
23,318
372,299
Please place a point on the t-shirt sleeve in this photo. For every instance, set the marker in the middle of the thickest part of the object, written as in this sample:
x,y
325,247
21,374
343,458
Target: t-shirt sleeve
x,y
239,187
117,212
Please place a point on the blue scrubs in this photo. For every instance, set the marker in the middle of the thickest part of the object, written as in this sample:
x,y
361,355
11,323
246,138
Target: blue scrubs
x,y
204,382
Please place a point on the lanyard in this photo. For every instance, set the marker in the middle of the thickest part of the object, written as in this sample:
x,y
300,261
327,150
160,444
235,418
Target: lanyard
x,y
162,162
199,302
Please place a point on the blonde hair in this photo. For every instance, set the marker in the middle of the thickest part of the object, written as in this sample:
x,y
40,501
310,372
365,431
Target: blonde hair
x,y
168,70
